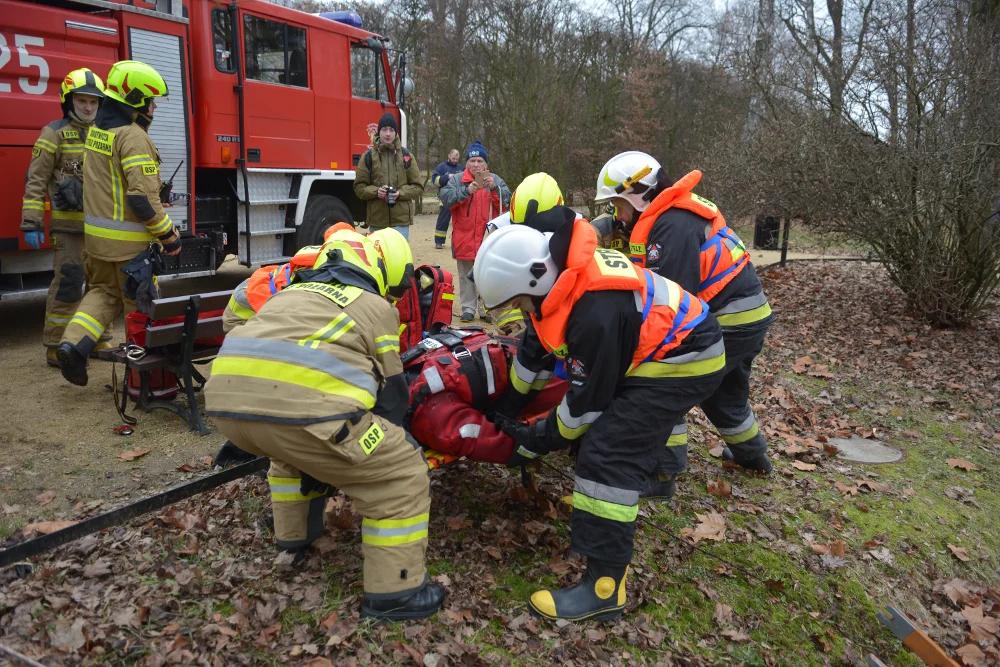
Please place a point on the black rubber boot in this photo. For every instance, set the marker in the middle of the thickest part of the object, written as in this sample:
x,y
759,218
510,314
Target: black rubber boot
x,y
72,364
599,596
660,487
424,603
760,464
231,455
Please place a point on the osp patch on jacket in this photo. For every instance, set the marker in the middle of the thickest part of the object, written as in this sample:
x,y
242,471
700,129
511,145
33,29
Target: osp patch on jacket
x,y
576,372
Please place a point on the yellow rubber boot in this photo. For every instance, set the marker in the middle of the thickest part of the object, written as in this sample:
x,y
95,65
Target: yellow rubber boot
x,y
599,596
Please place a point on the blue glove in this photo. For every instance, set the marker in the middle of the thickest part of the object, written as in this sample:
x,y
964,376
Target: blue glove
x,y
34,239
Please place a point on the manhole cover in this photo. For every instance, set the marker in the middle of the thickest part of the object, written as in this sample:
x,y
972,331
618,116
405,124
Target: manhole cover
x,y
863,450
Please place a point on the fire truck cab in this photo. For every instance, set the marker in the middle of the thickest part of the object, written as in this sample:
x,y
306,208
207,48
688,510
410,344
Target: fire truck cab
x,y
269,111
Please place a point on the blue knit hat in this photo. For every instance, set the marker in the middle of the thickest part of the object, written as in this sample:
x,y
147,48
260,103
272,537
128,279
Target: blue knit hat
x,y
476,150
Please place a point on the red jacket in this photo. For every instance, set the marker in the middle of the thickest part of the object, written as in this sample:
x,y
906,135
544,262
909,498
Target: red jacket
x,y
470,215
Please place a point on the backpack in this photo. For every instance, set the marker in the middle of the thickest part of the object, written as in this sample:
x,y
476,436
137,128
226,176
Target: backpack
x,y
426,307
406,159
453,377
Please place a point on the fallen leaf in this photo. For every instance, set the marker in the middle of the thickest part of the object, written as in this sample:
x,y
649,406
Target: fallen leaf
x,y
458,524
186,467
820,548
46,527
45,498
494,552
67,636
318,662
11,509
329,620
342,518
792,450
736,635
831,450
846,490
132,454
961,553
339,632
873,486
802,364
882,554
717,451
775,585
967,466
191,549
799,465
723,614
325,545
596,635
560,567
820,371
720,488
415,655
269,634
981,628
971,656
838,548
711,526
958,592
98,568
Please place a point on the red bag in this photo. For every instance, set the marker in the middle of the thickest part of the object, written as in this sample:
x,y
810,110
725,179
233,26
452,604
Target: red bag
x,y
427,305
162,383
453,377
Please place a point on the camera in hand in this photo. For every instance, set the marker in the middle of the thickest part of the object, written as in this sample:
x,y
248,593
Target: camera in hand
x,y
390,195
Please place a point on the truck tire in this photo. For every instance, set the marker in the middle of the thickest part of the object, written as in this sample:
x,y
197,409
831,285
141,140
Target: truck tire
x,y
322,212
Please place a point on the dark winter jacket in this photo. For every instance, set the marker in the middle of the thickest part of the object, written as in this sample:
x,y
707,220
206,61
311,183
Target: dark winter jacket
x,y
390,166
444,171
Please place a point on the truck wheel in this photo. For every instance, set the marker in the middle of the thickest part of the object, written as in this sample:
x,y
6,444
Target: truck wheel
x,y
322,212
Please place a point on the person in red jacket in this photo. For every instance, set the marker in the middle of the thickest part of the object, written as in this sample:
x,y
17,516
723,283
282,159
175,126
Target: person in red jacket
x,y
473,203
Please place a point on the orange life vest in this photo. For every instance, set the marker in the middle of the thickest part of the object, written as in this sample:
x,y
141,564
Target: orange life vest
x,y
723,254
668,312
267,281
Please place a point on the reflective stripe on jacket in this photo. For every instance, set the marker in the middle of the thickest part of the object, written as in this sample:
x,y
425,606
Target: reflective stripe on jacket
x,y
668,312
315,352
723,254
122,162
56,155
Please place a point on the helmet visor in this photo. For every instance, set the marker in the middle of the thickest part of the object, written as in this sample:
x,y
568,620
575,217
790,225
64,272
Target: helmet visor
x,y
398,291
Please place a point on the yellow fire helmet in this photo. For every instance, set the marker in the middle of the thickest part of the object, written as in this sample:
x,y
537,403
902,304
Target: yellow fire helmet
x,y
134,83
395,251
81,81
536,193
358,251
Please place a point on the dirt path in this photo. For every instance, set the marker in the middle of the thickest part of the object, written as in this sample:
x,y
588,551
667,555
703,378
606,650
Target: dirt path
x,y
57,437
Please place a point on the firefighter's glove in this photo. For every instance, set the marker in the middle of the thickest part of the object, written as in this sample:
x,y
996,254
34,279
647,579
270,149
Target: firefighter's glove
x,y
529,439
310,484
34,239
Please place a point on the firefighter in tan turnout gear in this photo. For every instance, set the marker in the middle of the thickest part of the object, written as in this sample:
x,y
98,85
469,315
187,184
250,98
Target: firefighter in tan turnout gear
x,y
56,171
123,214
314,382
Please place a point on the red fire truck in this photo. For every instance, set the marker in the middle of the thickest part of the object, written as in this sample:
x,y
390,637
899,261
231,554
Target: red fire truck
x,y
269,111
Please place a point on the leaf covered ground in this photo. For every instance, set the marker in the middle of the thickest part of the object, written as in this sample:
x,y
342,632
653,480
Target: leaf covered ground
x,y
737,569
